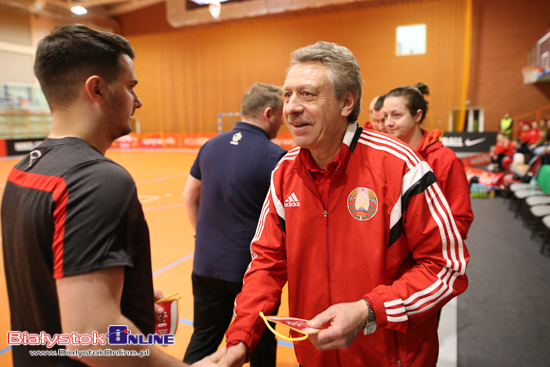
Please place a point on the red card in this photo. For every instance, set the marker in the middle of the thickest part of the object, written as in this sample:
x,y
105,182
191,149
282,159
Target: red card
x,y
294,323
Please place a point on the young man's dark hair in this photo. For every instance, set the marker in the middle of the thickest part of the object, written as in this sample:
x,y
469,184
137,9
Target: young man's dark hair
x,y
379,103
72,53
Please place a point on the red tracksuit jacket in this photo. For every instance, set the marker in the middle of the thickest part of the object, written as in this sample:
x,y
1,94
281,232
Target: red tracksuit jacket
x,y
387,233
451,178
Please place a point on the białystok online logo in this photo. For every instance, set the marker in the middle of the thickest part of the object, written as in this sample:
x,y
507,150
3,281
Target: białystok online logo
x,y
120,335
116,335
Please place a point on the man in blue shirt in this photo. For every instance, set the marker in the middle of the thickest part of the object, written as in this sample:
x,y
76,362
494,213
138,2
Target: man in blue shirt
x,y
223,196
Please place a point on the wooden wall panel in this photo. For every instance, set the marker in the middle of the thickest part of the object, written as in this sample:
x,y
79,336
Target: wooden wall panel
x,y
504,32
187,76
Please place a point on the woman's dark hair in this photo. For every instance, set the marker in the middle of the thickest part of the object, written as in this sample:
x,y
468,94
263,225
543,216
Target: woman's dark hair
x,y
414,97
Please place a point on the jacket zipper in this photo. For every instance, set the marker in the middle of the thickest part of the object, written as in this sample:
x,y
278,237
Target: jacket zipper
x,y
397,349
328,253
328,257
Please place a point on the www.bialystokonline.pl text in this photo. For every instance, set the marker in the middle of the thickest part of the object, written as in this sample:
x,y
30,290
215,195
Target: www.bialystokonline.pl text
x,y
87,353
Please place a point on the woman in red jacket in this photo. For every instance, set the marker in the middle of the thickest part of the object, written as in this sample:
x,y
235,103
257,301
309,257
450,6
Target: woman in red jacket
x,y
404,110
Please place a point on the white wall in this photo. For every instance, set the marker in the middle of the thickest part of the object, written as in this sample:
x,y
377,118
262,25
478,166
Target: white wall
x,y
16,48
19,35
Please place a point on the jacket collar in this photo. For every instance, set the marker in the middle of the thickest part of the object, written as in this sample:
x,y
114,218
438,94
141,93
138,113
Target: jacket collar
x,y
430,142
352,135
241,125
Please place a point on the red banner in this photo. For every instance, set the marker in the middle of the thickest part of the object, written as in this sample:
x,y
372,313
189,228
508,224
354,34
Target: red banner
x,y
477,159
485,177
3,148
166,140
181,140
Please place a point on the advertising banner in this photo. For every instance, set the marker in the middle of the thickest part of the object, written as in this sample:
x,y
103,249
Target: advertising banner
x,y
3,149
20,146
474,165
166,140
469,142
191,141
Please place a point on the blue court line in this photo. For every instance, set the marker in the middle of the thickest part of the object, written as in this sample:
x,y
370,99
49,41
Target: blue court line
x,y
285,344
187,322
5,349
279,342
173,264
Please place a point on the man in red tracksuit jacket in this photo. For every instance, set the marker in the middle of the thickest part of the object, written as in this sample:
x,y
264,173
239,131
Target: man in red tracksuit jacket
x,y
357,225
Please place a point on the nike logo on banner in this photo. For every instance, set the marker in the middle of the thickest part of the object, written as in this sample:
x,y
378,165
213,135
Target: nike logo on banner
x,y
469,142
292,200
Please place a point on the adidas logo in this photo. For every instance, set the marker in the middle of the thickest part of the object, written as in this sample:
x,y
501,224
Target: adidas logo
x,y
291,201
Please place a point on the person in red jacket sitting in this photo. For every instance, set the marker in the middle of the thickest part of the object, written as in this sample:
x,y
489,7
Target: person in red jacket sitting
x,y
525,137
503,149
534,133
510,150
539,146
525,133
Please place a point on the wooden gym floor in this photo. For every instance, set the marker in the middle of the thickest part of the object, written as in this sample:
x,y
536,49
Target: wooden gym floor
x,y
160,177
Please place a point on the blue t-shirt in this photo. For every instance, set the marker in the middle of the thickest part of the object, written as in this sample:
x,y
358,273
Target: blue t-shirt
x,y
235,171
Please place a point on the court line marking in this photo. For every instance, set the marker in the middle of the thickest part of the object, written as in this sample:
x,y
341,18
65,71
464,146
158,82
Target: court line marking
x,y
173,264
5,350
285,344
162,178
144,199
164,207
185,321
